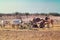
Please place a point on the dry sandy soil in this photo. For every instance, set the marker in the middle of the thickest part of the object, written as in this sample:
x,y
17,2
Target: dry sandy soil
x,y
35,34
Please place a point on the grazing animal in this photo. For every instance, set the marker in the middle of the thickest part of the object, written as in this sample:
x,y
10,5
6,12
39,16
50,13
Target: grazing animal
x,y
33,23
42,24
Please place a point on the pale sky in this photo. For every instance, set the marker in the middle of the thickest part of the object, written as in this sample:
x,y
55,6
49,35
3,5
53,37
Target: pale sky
x,y
31,6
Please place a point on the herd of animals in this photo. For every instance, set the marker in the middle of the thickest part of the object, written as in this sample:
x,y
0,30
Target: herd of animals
x,y
42,22
35,23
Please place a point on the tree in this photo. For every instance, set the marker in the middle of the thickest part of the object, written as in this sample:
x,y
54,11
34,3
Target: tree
x,y
43,14
17,13
54,14
27,14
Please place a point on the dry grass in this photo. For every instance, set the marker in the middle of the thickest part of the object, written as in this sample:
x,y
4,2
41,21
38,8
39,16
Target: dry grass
x,y
34,34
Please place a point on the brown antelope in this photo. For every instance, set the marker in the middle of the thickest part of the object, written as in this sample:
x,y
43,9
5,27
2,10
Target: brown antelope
x,y
48,22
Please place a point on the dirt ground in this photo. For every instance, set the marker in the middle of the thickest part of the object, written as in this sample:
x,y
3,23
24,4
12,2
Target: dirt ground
x,y
35,34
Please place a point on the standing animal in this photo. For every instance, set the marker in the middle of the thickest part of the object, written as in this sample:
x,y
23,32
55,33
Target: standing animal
x,y
49,21
42,22
16,22
34,22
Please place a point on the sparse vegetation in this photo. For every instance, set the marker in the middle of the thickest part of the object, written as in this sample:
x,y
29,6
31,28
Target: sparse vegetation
x,y
54,14
43,14
29,33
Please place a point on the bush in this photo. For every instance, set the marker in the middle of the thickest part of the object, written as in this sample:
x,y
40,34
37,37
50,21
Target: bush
x,y
43,14
54,14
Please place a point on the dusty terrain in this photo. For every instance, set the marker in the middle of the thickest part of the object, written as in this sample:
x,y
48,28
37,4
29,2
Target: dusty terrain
x,y
36,34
